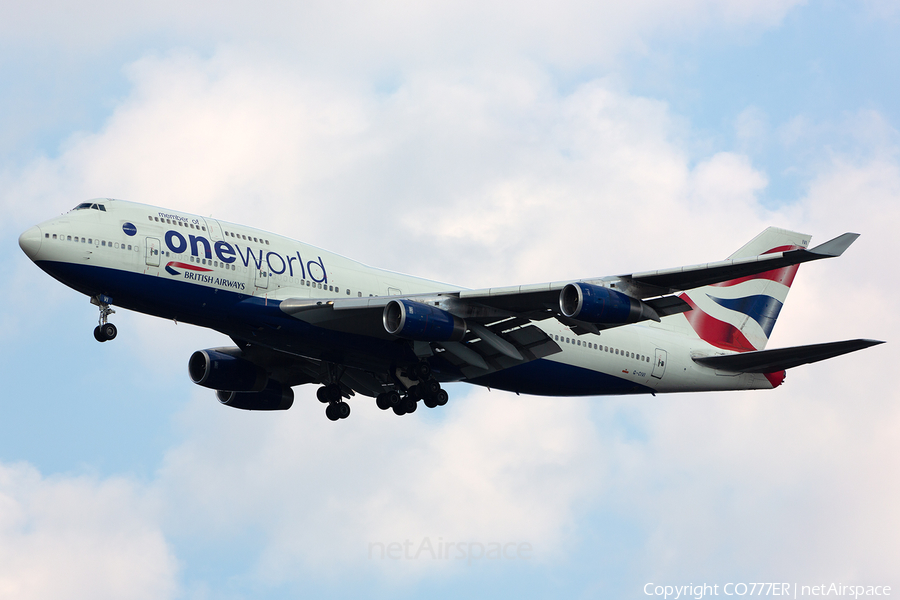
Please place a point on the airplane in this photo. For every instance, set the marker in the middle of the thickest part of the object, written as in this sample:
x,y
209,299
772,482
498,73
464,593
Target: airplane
x,y
298,315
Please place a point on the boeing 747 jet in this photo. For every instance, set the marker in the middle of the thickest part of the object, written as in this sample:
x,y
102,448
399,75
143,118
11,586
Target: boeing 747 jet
x,y
299,315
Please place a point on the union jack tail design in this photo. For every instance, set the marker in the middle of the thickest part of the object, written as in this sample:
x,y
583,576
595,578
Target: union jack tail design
x,y
739,314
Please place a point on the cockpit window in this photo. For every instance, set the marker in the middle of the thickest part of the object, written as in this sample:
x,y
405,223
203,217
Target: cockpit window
x,y
91,205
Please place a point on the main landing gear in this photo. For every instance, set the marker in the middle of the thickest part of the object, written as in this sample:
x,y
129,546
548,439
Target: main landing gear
x,y
105,331
332,395
428,390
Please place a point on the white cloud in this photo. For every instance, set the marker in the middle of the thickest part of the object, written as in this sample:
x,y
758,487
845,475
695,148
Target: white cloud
x,y
499,469
377,35
486,176
76,537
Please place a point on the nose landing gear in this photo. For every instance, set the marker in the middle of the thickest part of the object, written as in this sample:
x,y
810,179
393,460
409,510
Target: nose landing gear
x,y
105,331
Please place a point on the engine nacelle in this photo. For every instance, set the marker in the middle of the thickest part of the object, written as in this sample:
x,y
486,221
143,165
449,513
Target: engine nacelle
x,y
218,370
421,322
274,397
597,304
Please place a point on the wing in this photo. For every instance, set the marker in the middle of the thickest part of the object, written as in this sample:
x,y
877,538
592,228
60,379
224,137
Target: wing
x,y
497,323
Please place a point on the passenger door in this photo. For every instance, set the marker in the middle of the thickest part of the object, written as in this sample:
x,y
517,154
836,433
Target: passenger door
x,y
659,363
262,277
152,252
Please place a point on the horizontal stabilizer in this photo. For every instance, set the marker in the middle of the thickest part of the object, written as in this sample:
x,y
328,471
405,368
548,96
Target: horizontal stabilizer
x,y
779,359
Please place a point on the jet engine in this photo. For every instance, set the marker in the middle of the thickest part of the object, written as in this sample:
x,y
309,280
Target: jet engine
x,y
597,304
219,370
274,397
421,322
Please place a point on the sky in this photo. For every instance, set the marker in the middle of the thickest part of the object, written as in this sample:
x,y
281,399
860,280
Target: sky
x,y
484,144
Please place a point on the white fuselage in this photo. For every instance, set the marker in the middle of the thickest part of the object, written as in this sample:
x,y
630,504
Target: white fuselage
x,y
178,265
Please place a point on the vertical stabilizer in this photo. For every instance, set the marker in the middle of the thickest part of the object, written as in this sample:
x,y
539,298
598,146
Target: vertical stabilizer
x,y
740,314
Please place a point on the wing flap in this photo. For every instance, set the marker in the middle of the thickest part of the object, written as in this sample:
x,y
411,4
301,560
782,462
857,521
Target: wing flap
x,y
780,359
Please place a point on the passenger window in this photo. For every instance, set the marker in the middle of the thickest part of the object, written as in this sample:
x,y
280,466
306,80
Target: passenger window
x,y
579,342
69,238
359,294
150,218
103,243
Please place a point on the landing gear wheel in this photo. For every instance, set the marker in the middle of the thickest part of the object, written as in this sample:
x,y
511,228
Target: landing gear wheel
x,y
343,409
399,409
331,411
410,405
429,388
422,370
109,331
322,395
430,402
105,332
441,398
382,401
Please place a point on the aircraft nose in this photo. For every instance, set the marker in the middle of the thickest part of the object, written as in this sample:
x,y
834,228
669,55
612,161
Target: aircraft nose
x,y
30,242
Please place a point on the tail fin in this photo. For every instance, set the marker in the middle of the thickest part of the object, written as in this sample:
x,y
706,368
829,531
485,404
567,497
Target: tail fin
x,y
740,314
